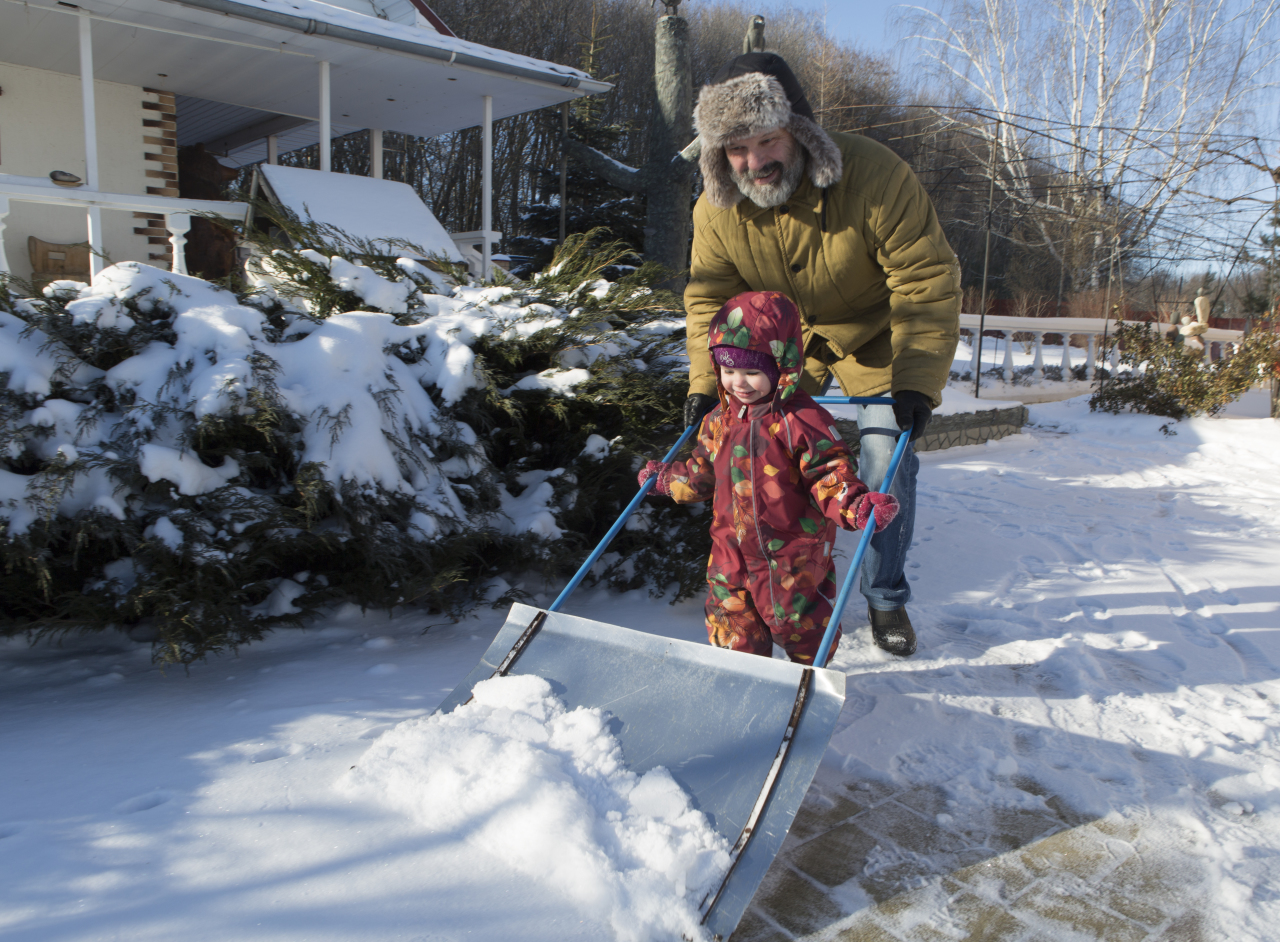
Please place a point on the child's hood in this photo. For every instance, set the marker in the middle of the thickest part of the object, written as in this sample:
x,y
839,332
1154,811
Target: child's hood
x,y
765,321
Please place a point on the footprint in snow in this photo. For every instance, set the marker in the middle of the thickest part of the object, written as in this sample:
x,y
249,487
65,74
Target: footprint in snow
x,y
152,799
1034,565
1190,628
1093,608
1221,594
105,680
10,830
1216,625
382,669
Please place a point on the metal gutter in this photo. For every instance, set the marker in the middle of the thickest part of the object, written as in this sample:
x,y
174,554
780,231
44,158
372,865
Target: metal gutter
x,y
311,27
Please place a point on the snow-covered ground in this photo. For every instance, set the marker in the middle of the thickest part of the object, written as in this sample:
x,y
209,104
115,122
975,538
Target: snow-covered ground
x,y
1098,610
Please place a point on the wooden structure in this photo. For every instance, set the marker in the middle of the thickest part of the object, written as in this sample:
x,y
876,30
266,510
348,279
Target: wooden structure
x,y
56,261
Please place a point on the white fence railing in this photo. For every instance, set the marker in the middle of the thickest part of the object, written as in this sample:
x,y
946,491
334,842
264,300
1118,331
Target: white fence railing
x,y
1092,329
177,212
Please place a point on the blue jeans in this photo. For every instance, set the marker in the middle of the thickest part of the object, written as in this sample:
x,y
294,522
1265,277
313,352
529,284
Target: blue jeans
x,y
883,581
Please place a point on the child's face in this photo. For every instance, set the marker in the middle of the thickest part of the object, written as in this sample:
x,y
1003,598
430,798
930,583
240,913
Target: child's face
x,y
747,386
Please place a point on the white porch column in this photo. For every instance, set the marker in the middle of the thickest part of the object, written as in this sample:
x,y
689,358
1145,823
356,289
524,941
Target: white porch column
x,y
91,180
375,153
273,150
1007,366
1037,368
325,133
486,186
90,111
178,224
4,212
1090,362
1066,358
97,258
974,366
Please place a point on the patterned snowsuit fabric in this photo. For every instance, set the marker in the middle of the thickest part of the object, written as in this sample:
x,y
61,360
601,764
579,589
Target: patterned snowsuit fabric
x,y
781,479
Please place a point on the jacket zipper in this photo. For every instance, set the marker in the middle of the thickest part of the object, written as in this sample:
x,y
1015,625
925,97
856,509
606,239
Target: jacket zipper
x,y
755,513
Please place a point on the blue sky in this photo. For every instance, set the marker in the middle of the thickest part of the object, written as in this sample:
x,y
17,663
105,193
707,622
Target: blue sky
x,y
867,23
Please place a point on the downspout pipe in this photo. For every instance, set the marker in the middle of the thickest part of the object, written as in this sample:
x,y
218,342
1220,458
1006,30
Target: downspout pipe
x,y
310,27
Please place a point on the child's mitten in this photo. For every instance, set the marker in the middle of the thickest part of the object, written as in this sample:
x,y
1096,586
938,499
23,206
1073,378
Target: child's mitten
x,y
886,506
663,472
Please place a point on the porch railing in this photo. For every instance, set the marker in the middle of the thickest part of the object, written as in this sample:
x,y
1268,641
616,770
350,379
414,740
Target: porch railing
x,y
1092,329
177,213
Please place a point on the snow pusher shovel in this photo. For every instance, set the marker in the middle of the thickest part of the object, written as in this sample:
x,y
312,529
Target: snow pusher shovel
x,y
743,735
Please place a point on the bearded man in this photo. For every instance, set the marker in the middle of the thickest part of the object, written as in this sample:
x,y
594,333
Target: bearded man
x,y
840,225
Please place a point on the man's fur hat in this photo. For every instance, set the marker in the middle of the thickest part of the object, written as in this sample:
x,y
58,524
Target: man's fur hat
x,y
755,93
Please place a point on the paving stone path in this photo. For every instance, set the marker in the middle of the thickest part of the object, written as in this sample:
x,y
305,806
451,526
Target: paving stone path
x,y
865,862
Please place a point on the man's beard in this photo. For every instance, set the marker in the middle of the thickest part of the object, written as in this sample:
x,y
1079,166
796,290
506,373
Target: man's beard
x,y
776,193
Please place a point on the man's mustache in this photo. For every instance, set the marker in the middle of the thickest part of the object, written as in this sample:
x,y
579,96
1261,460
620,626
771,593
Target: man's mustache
x,y
764,171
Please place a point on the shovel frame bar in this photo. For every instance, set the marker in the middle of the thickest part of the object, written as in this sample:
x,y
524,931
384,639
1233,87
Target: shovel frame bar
x,y
766,792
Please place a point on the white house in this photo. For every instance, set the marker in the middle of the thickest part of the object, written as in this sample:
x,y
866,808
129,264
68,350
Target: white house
x,y
106,91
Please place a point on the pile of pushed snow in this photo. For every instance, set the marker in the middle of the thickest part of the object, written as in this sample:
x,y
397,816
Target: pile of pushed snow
x,y
516,775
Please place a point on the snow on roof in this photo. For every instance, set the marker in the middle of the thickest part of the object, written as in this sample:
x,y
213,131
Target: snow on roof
x,y
362,207
397,11
424,36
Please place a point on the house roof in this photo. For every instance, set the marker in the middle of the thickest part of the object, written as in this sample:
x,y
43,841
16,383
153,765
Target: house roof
x,y
264,55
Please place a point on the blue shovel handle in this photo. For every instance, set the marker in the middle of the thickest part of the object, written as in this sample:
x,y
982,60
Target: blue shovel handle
x,y
854,400
829,637
618,524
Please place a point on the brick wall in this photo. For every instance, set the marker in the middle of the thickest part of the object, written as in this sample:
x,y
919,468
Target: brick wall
x,y
160,150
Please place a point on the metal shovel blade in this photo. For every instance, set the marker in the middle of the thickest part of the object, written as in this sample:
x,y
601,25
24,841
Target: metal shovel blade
x,y
736,731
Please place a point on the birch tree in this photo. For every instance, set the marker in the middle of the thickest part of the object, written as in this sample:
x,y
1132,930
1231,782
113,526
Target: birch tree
x,y
1115,120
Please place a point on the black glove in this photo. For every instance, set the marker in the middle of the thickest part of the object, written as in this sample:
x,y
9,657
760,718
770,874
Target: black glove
x,y
911,407
697,406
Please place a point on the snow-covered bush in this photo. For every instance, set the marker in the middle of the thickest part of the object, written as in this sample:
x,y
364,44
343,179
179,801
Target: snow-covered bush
x,y
199,465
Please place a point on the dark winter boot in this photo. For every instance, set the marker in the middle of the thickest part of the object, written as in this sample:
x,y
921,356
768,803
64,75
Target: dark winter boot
x,y
893,631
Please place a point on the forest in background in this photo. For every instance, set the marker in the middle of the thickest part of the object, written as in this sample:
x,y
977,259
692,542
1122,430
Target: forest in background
x,y
1114,152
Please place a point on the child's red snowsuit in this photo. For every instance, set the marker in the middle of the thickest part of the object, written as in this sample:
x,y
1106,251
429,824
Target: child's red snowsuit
x,y
782,479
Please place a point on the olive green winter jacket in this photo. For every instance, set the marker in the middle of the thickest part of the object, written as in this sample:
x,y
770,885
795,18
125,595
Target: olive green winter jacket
x,y
870,271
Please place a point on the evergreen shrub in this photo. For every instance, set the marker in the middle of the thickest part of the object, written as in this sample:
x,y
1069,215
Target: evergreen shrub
x,y
1164,377
198,464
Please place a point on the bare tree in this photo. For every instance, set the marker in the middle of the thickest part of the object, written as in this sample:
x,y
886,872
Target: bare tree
x,y
1115,117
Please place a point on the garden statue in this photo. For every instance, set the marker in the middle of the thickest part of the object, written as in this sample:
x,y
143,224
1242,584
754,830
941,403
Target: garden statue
x,y
1192,330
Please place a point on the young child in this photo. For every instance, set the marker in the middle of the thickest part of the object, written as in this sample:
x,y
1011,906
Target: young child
x,y
781,479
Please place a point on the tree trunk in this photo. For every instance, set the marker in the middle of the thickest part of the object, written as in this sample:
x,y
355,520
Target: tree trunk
x,y
665,180
670,181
